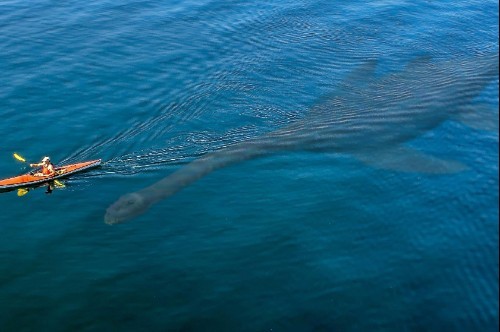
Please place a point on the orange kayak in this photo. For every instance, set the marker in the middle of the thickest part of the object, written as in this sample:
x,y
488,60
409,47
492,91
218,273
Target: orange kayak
x,y
61,171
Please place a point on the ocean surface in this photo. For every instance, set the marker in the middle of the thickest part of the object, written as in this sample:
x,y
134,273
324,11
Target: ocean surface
x,y
295,241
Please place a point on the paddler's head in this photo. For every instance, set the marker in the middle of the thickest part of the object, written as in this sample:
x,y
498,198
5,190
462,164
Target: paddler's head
x,y
46,160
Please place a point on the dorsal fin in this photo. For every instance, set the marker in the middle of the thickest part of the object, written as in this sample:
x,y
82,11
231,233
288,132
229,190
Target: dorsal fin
x,y
352,82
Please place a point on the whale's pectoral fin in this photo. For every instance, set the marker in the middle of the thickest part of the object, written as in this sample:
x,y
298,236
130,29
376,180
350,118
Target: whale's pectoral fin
x,y
404,159
480,117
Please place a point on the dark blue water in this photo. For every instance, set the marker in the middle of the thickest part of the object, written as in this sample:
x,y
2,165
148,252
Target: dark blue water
x,y
296,241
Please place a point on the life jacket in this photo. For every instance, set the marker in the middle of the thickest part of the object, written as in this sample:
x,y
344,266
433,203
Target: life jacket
x,y
45,169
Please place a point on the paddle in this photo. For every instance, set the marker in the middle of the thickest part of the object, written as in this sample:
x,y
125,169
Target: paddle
x,y
21,159
18,157
59,184
22,192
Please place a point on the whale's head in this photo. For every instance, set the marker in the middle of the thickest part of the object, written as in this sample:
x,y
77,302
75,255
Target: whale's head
x,y
126,207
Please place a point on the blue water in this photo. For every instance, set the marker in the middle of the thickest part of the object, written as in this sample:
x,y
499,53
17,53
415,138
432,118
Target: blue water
x,y
292,242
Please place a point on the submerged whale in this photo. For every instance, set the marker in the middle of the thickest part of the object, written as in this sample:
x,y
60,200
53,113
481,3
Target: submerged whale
x,y
368,117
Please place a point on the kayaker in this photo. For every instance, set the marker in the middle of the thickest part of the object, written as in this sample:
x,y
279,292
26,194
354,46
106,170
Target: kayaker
x,y
47,167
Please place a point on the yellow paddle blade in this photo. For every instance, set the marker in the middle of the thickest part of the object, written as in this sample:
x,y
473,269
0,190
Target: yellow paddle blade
x,y
22,192
18,157
59,184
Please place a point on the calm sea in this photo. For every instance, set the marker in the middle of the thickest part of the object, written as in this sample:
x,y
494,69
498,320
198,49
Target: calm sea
x,y
292,242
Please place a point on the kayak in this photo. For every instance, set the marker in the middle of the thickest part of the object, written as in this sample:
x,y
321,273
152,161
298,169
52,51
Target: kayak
x,y
61,171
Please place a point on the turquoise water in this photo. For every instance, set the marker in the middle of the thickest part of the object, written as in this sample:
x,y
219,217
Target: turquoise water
x,y
296,241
